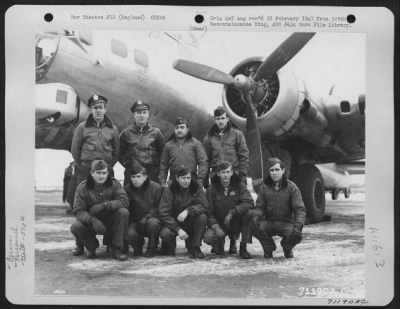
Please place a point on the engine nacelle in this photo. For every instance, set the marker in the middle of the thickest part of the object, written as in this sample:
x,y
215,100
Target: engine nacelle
x,y
278,99
57,104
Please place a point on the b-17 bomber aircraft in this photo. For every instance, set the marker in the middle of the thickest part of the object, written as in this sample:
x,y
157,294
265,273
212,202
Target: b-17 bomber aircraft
x,y
261,95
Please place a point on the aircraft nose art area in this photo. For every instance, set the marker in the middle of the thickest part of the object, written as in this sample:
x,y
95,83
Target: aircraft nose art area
x,y
331,257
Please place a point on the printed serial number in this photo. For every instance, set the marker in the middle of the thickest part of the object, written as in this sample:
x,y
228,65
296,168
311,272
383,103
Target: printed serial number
x,y
347,302
321,292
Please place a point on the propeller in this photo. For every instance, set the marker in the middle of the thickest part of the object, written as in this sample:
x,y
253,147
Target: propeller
x,y
248,87
283,54
203,72
253,140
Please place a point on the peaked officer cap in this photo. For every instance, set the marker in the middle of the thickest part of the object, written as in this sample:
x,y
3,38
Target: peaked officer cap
x,y
95,99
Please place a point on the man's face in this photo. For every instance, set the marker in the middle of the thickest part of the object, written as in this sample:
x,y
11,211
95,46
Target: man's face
x,y
225,176
276,172
98,111
221,121
100,176
181,130
138,179
184,181
141,117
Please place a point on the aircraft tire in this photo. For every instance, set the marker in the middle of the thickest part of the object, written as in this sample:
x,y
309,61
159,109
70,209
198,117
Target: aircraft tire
x,y
311,184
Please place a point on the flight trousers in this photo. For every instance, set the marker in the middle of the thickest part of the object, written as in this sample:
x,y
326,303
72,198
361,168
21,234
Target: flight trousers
x,y
194,226
240,224
268,228
137,232
116,225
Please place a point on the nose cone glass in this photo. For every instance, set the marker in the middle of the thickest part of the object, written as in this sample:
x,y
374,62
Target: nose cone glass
x,y
46,49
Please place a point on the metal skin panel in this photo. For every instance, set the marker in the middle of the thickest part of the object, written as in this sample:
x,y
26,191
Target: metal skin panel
x,y
122,85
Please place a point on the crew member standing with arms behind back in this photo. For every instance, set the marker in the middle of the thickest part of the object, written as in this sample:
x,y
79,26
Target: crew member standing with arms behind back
x,y
141,142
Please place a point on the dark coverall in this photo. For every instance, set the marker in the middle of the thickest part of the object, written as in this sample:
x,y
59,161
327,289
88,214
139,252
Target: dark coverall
x,y
280,212
238,200
175,200
115,219
143,209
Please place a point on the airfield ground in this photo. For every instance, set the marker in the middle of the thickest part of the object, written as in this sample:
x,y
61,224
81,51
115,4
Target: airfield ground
x,y
330,262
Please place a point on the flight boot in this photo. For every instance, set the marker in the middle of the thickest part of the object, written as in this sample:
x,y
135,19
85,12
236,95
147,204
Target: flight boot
x,y
91,253
232,247
79,250
137,251
288,254
243,251
119,255
150,252
195,253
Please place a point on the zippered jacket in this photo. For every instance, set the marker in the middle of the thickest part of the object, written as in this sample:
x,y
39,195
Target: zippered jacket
x,y
87,195
175,200
93,143
238,199
143,201
190,153
286,204
145,146
230,146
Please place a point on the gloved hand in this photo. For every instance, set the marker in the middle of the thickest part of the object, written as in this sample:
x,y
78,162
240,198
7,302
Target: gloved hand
x,y
96,209
228,218
98,226
296,235
182,234
218,231
182,216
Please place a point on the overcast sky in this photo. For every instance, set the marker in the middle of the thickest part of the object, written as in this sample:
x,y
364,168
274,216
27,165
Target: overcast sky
x,y
328,59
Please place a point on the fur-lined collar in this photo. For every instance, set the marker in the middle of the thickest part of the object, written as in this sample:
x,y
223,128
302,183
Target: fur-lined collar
x,y
173,137
269,182
214,128
90,122
90,183
176,188
147,127
143,187
235,182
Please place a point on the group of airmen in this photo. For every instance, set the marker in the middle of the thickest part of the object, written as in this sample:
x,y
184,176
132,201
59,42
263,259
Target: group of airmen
x,y
185,205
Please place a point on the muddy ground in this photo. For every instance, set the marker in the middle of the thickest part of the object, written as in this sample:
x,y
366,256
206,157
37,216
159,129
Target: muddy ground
x,y
328,263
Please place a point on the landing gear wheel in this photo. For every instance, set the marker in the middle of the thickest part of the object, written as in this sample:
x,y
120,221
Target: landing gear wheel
x,y
311,184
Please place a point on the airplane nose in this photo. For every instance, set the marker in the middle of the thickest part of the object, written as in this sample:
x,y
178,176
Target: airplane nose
x,y
46,48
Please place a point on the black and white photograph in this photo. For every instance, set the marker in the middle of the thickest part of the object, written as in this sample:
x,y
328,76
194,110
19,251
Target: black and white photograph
x,y
196,165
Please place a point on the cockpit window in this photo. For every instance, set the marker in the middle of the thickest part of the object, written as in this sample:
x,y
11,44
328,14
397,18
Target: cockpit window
x,y
119,48
46,45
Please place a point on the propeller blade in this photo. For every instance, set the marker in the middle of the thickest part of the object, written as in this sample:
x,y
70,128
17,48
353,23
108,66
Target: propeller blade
x,y
203,72
282,55
253,142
